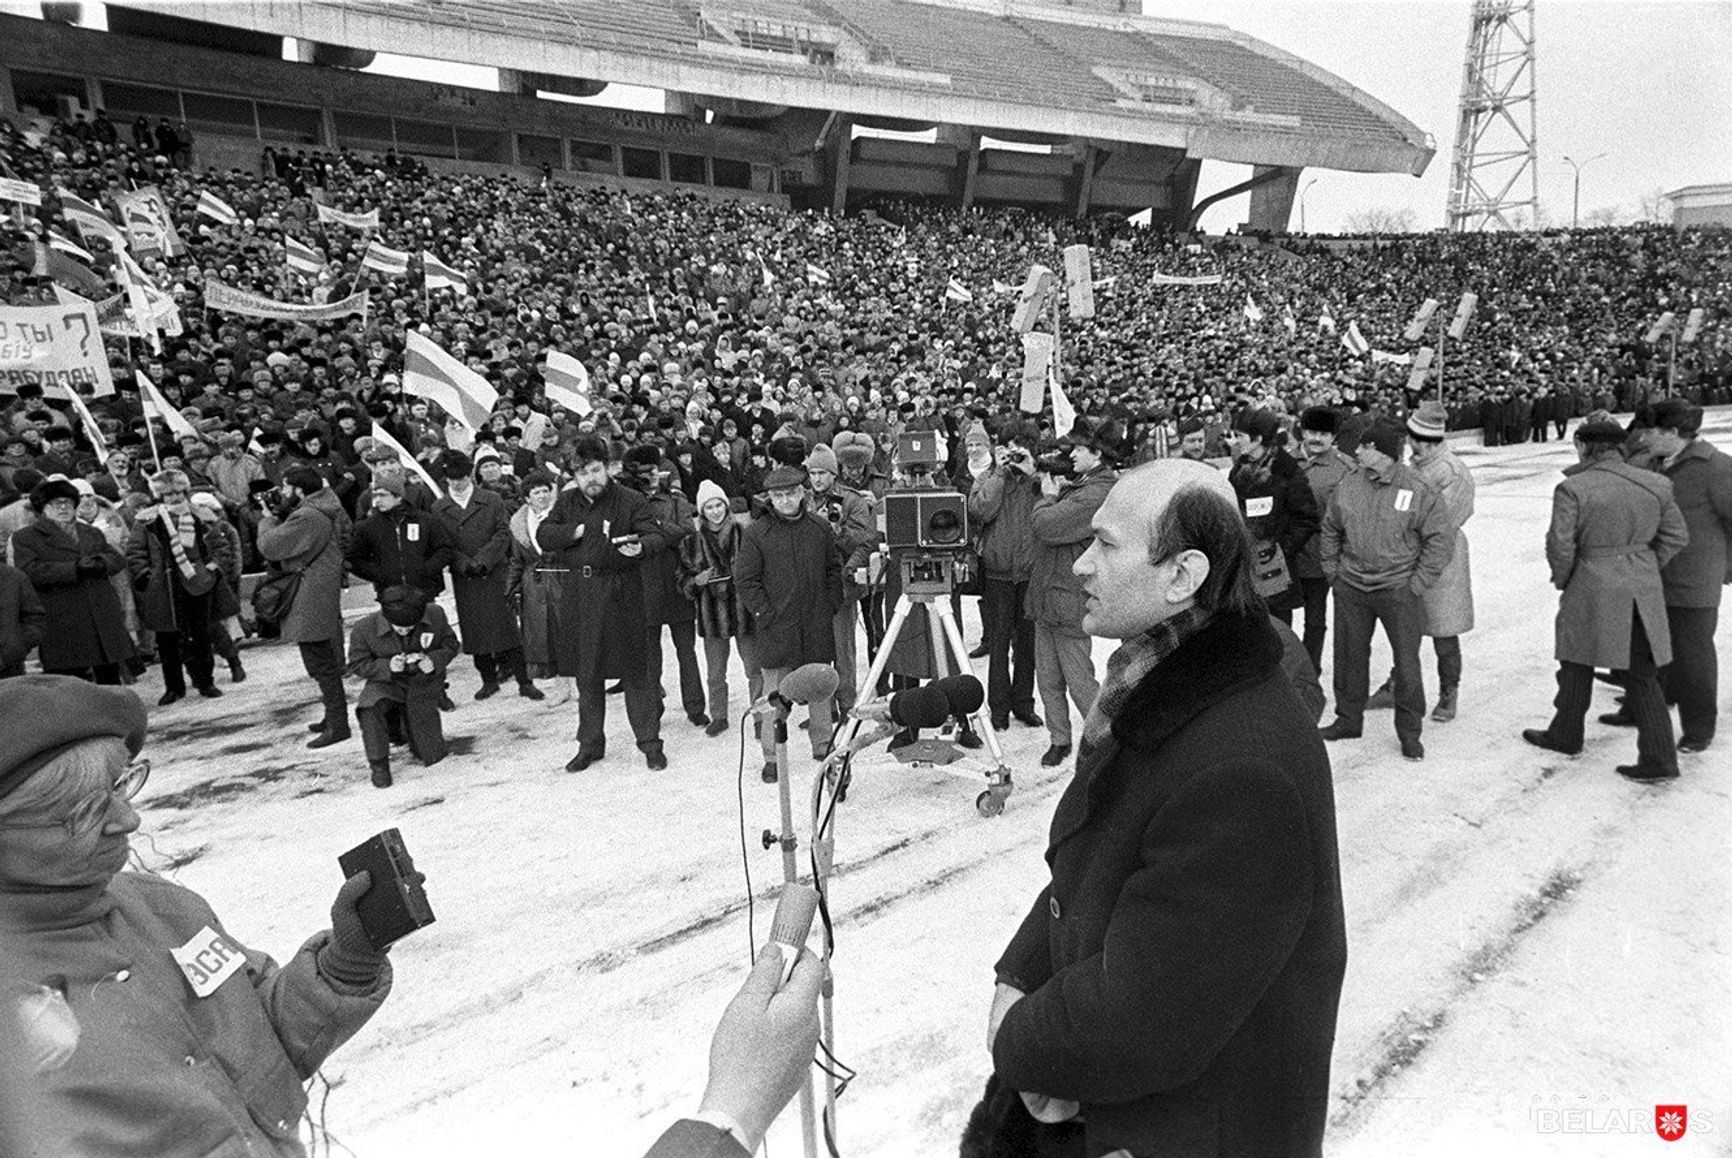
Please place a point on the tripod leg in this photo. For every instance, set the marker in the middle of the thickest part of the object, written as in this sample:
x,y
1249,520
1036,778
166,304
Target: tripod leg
x,y
953,633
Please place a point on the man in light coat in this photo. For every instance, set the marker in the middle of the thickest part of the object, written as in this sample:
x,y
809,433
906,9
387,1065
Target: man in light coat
x,y
305,530
1447,606
1614,527
1063,653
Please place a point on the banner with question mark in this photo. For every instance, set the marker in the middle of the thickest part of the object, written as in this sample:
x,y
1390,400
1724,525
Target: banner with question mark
x,y
53,346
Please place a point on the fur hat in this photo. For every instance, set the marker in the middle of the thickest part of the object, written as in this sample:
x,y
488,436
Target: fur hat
x,y
642,457
47,491
402,604
454,464
788,450
1259,424
63,711
1385,436
1321,419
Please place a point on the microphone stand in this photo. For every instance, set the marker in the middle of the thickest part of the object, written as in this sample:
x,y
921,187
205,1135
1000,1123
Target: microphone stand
x,y
791,875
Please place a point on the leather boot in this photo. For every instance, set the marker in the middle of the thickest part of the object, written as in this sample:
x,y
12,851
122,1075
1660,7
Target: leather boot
x,y
381,773
1383,699
1445,710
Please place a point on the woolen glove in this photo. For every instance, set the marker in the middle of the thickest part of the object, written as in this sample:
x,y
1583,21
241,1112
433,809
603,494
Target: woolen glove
x,y
349,956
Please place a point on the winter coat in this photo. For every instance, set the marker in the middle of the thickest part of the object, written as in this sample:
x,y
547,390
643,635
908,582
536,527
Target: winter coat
x,y
722,614
22,618
601,612
164,595
157,1070
372,644
481,538
534,581
401,546
1702,484
1324,473
1448,603
312,540
665,599
1183,968
789,574
1382,533
86,626
1001,508
1614,527
1280,510
1063,529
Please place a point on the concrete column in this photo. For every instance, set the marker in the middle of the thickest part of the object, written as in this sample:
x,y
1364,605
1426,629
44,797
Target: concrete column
x,y
970,170
1272,203
1085,180
841,144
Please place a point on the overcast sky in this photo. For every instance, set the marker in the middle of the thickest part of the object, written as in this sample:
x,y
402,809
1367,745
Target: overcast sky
x,y
1647,84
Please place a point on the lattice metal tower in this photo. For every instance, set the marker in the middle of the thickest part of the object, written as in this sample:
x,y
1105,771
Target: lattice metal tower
x,y
1494,182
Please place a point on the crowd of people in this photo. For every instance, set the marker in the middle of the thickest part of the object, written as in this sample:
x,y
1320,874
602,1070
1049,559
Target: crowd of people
x,y
755,379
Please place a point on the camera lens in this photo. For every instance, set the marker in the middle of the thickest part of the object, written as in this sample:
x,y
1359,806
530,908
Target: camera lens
x,y
944,527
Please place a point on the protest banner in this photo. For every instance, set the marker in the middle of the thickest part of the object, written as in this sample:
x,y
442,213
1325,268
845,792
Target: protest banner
x,y
1171,279
229,300
149,229
23,192
55,347
367,220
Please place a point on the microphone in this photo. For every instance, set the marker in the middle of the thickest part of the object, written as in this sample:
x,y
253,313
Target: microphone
x,y
923,707
962,693
814,681
793,921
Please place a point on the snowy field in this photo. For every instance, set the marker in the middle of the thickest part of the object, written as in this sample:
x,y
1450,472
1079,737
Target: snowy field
x,y
1540,951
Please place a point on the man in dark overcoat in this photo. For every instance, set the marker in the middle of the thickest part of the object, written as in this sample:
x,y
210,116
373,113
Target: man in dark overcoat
x,y
22,620
600,533
1614,527
480,526
399,543
1175,987
789,575
665,603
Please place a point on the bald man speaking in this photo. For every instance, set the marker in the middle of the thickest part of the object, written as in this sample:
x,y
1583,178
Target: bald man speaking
x,y
1174,989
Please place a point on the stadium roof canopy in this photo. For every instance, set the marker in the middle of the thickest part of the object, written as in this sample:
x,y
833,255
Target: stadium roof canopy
x,y
1020,69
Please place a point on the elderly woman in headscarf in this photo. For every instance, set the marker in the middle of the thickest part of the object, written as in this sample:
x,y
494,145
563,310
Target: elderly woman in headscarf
x,y
146,1027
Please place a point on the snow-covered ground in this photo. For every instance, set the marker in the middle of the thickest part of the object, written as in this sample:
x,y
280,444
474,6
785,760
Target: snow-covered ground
x,y
1540,952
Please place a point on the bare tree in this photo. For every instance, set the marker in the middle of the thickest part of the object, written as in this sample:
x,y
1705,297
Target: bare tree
x,y
1606,215
1381,219
1653,206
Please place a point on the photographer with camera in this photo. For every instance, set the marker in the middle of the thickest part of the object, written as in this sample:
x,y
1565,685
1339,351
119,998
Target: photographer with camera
x,y
1001,505
305,531
1074,482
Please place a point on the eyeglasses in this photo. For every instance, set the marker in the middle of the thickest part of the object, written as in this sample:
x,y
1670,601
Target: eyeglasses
x,y
88,814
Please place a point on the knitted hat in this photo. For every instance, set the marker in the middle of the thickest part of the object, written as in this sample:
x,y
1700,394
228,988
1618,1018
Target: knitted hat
x,y
1385,436
63,711
393,483
1321,419
1428,421
822,458
709,492
976,435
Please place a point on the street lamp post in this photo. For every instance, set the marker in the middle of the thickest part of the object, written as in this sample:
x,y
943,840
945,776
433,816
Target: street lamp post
x,y
1302,192
1576,208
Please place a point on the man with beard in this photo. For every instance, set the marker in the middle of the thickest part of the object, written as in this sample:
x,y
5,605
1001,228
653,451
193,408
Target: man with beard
x,y
480,528
600,533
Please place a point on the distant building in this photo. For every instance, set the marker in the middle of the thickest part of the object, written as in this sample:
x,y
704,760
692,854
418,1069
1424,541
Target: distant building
x,y
1701,205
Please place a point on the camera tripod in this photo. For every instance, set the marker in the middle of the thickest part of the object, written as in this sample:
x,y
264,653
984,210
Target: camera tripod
x,y
928,581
